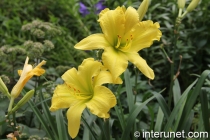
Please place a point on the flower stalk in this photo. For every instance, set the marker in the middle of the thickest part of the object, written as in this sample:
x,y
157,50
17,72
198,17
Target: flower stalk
x,y
23,101
175,38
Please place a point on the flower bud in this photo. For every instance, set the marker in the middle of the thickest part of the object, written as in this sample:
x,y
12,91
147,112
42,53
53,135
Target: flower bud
x,y
143,9
3,88
24,100
181,3
192,5
27,73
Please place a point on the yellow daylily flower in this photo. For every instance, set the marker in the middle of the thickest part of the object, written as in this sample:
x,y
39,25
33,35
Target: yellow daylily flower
x,y
123,36
27,73
83,88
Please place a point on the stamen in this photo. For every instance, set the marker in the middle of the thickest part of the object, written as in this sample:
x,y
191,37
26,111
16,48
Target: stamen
x,y
118,41
127,44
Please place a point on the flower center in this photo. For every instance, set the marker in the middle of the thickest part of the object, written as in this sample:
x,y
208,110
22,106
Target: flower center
x,y
77,93
124,44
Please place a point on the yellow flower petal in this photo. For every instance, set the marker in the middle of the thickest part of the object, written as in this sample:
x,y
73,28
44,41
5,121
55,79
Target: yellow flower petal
x,y
82,79
27,73
131,17
95,41
103,12
123,34
62,98
38,70
74,117
82,88
112,23
105,77
115,61
19,72
144,34
141,64
71,77
101,102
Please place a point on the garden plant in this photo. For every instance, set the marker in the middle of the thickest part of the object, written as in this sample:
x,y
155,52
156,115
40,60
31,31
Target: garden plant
x,y
104,70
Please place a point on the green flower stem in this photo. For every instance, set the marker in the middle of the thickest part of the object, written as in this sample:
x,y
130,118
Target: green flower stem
x,y
83,25
176,30
180,12
135,88
14,120
182,16
11,104
107,129
120,116
166,55
23,101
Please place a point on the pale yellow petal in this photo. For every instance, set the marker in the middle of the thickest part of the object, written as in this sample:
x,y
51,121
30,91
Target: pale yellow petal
x,y
62,98
94,41
82,79
105,77
71,77
27,67
87,70
115,61
102,101
131,17
141,64
144,34
37,71
103,12
29,72
74,116
112,23
19,72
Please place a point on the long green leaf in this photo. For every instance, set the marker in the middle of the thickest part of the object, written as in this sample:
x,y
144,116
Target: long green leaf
x,y
163,104
132,116
205,111
178,109
42,121
159,120
48,116
129,91
89,128
61,127
176,92
120,117
191,100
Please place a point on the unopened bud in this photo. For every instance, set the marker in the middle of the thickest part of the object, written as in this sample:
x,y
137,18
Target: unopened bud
x,y
24,100
192,5
143,9
3,88
181,3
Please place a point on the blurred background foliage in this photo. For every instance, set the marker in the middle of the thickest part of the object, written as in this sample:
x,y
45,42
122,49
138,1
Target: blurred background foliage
x,y
49,29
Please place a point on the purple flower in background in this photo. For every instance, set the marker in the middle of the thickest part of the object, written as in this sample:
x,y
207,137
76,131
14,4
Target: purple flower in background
x,y
99,6
83,9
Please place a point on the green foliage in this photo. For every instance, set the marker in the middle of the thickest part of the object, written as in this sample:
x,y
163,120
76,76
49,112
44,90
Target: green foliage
x,y
48,30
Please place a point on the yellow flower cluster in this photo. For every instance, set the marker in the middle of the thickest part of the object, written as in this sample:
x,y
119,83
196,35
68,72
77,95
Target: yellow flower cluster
x,y
123,36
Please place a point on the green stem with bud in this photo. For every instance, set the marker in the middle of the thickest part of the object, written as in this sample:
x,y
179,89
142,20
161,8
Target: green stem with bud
x,y
176,31
11,104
